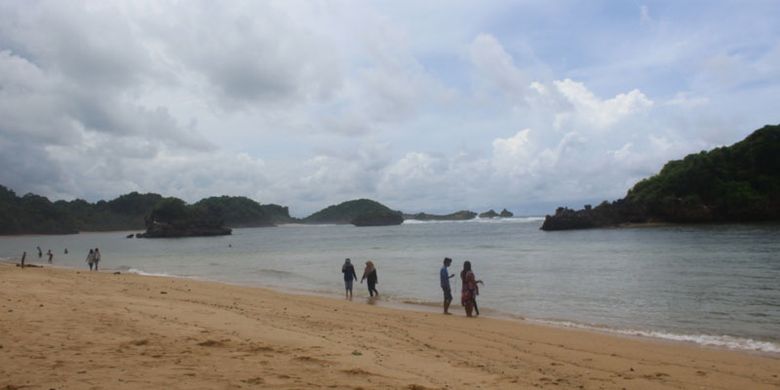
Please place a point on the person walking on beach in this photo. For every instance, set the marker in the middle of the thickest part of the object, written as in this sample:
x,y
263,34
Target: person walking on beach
x,y
369,273
91,259
24,256
445,276
349,276
51,255
469,290
97,258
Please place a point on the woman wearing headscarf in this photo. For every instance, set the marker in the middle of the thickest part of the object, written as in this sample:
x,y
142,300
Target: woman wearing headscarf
x,y
469,290
370,274
91,259
349,275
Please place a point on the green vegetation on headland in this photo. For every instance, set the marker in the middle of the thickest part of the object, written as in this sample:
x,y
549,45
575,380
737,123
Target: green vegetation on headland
x,y
172,217
738,183
34,214
359,212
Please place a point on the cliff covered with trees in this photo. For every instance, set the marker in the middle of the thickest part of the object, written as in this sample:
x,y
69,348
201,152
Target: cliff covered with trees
x,y
738,183
35,214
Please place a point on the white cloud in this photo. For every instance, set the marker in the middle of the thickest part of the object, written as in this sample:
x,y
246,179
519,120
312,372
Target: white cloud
x,y
601,113
495,68
312,103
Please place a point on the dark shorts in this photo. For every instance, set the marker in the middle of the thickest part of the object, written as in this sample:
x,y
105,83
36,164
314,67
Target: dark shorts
x,y
348,284
447,294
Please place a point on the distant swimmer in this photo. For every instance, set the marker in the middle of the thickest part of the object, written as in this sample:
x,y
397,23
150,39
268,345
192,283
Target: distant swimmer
x,y
66,251
369,273
51,255
349,276
444,280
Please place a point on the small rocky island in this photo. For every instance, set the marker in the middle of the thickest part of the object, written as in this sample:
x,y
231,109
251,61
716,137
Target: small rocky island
x,y
171,217
493,214
738,183
359,212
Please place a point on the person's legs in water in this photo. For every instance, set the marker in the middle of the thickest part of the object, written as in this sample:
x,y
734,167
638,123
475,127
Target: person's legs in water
x,y
90,266
447,300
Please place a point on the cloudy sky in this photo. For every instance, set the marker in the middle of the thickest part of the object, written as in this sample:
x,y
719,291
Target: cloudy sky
x,y
423,105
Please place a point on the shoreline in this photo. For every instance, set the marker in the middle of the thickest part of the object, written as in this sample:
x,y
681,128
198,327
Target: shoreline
x,y
68,328
717,342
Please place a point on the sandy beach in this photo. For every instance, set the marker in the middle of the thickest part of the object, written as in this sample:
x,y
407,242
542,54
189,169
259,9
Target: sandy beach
x,y
71,329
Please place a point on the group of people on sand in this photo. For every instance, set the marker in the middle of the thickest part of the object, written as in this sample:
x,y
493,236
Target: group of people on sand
x,y
369,275
469,284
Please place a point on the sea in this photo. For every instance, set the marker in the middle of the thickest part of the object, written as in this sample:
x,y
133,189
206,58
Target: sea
x,y
714,285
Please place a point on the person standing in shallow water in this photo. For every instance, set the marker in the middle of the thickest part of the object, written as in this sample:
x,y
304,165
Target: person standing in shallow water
x,y
445,276
91,259
51,256
369,274
349,276
24,256
470,289
97,258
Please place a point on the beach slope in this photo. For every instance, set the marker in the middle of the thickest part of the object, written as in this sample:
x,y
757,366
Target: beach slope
x,y
68,329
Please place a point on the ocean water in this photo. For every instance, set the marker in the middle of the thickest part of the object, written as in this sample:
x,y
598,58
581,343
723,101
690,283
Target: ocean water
x,y
714,285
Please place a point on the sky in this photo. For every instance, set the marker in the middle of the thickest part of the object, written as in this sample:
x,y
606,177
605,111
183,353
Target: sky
x,y
431,106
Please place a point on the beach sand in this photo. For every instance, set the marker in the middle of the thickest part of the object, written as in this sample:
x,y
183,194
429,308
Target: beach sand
x,y
69,329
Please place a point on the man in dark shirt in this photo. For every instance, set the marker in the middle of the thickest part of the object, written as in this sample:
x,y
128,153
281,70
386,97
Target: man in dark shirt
x,y
444,277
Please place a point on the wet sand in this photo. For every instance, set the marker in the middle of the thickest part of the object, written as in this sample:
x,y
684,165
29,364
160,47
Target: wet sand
x,y
69,329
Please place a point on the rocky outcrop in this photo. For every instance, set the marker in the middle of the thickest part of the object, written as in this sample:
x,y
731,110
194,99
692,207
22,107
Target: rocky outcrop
x,y
489,214
186,229
493,214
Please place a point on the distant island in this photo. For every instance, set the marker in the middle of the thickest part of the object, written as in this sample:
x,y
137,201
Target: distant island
x,y
360,212
493,214
738,183
160,216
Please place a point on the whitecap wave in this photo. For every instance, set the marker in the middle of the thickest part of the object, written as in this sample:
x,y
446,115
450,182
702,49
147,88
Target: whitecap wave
x,y
144,273
722,341
478,220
